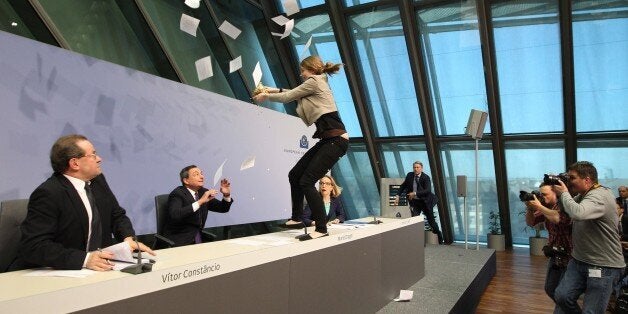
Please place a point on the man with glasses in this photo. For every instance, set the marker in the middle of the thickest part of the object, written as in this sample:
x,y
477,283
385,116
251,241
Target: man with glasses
x,y
418,189
73,213
597,256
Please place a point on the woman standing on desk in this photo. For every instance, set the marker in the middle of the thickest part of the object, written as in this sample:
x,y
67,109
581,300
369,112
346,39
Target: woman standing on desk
x,y
315,105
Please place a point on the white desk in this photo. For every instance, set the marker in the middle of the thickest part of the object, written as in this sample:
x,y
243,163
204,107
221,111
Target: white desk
x,y
364,268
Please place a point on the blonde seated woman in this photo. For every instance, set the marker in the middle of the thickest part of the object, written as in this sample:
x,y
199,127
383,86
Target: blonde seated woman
x,y
330,192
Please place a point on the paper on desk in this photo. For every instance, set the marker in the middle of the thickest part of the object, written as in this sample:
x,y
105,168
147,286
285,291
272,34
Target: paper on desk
x,y
60,273
275,239
235,64
248,163
342,226
229,30
358,225
404,295
204,68
257,74
121,252
189,24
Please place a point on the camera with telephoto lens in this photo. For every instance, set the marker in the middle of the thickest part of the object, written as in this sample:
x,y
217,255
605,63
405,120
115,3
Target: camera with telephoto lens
x,y
552,179
554,251
525,196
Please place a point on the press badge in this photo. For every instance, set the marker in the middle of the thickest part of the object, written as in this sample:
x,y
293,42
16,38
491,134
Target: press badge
x,y
595,273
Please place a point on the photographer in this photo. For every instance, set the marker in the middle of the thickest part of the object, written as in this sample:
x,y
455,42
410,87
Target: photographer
x,y
597,257
558,225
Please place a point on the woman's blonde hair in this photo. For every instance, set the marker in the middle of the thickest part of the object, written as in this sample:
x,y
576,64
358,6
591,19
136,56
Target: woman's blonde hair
x,y
315,65
335,189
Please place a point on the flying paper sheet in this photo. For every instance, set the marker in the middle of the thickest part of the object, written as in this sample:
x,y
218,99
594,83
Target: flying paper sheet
x,y
289,26
230,30
189,24
291,7
257,74
194,4
248,163
204,68
306,47
235,64
280,20
218,173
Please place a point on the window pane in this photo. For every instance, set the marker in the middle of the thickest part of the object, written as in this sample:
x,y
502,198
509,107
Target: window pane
x,y
399,157
253,45
459,159
186,49
383,58
600,42
302,4
98,29
350,3
11,22
609,158
318,28
354,173
526,162
451,43
527,46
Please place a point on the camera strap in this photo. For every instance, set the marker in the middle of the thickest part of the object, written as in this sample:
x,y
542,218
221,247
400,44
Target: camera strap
x,y
595,186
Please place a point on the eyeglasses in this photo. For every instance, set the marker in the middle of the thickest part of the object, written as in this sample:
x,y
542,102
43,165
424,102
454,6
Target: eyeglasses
x,y
325,183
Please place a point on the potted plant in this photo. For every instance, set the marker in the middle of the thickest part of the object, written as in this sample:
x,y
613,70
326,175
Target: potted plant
x,y
495,240
537,242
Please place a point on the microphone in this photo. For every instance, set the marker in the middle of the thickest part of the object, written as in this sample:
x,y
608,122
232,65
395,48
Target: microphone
x,y
375,220
139,267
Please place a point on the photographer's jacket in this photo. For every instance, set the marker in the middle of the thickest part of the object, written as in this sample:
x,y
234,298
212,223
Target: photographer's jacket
x,y
595,237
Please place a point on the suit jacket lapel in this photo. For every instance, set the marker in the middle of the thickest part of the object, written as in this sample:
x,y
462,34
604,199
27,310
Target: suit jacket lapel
x,y
77,204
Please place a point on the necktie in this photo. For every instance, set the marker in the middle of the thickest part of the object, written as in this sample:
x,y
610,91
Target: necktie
x,y
95,239
416,183
197,237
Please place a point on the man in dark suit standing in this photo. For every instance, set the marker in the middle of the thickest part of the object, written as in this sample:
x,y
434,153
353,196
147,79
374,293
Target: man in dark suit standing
x,y
418,189
622,200
73,213
189,204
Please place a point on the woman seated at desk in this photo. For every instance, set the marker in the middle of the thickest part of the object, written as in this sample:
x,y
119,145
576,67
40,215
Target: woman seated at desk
x,y
331,198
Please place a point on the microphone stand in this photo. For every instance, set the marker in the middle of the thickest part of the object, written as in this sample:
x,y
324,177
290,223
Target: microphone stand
x,y
139,267
375,220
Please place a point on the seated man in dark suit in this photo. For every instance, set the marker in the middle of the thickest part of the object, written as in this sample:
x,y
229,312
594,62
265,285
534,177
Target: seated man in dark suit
x,y
189,204
73,213
418,187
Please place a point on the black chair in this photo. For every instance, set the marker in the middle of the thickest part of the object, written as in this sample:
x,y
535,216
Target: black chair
x,y
12,213
161,212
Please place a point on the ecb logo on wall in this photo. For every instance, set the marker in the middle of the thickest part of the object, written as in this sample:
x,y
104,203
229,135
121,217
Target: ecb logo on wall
x,y
303,142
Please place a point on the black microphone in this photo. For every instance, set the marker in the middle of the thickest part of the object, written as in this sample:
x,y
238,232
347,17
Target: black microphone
x,y
375,220
139,267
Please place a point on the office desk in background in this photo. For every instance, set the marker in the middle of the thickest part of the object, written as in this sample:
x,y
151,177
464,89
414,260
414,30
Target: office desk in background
x,y
357,270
